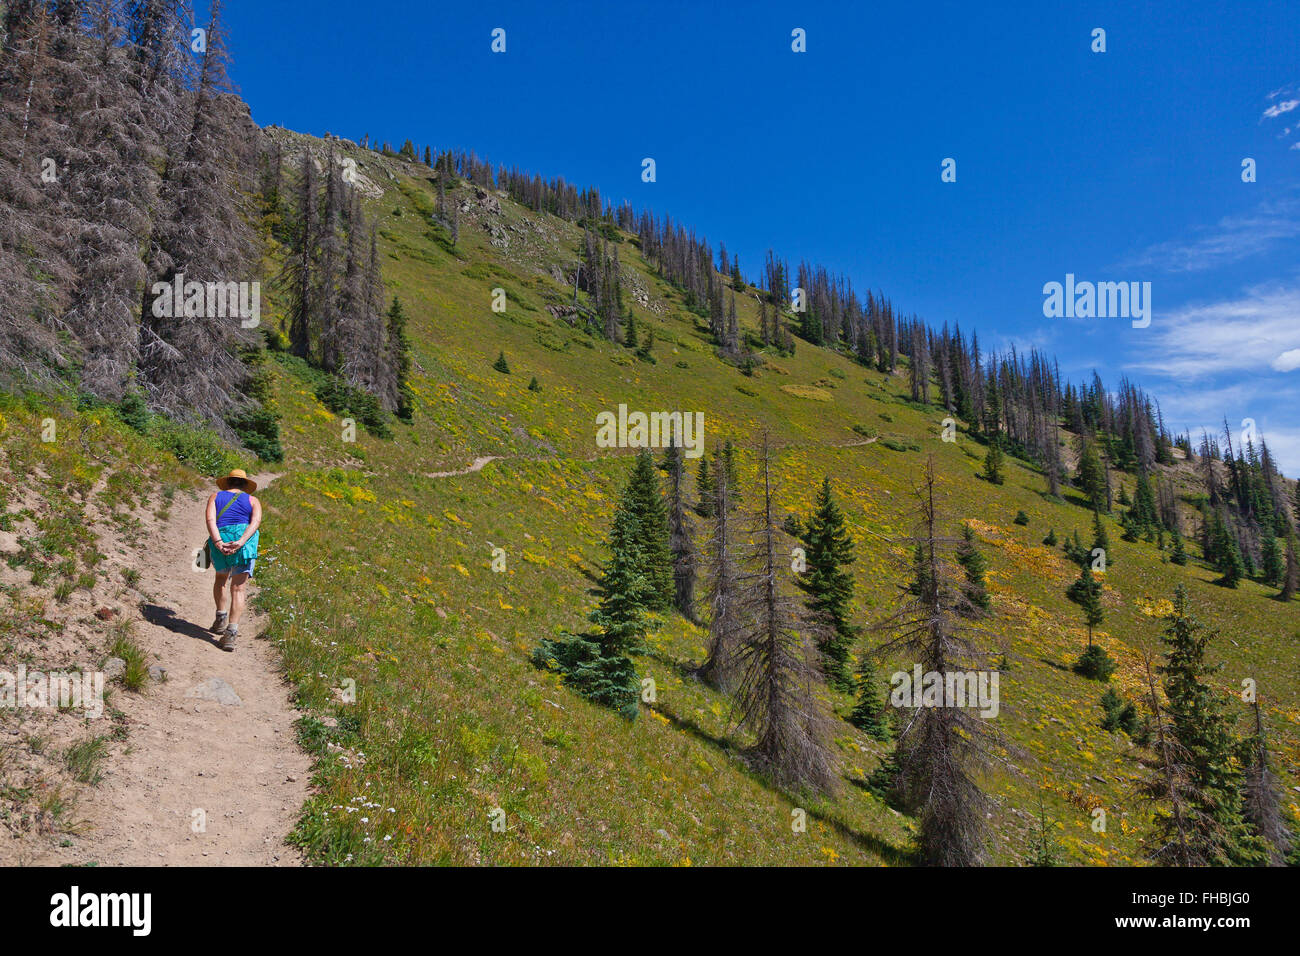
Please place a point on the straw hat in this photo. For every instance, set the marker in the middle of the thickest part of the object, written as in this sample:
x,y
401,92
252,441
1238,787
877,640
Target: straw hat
x,y
249,484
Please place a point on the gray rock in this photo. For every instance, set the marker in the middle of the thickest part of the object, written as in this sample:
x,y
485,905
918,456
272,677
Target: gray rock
x,y
114,667
214,688
158,673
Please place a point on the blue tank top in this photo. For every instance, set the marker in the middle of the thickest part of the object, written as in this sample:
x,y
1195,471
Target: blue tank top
x,y
241,512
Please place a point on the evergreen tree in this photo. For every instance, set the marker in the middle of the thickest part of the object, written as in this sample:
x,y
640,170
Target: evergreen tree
x,y
727,460
647,505
629,330
1217,833
829,586
501,365
1271,564
399,346
1119,714
870,711
597,665
704,489
1179,553
974,564
993,462
1091,475
1086,592
1100,540
1044,849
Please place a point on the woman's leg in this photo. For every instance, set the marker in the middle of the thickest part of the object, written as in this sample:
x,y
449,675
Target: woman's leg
x,y
238,593
219,591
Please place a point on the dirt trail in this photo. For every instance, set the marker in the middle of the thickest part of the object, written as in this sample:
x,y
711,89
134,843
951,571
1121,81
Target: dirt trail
x,y
192,746
478,465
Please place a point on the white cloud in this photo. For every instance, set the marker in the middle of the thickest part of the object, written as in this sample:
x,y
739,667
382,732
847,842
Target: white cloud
x,y
1232,239
1284,107
1248,334
1288,361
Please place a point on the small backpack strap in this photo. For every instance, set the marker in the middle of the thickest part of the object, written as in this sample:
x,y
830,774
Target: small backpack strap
x,y
228,504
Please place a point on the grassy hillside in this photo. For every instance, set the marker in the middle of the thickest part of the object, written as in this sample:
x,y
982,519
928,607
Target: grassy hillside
x,y
384,578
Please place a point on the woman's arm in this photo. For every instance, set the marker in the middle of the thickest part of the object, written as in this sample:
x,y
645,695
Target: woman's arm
x,y
211,517
253,523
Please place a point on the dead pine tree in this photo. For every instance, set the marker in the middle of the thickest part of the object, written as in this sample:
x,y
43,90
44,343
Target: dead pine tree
x,y
941,749
1262,806
722,589
679,536
1168,787
779,691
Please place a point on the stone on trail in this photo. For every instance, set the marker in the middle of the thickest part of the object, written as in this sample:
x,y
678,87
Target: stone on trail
x,y
214,688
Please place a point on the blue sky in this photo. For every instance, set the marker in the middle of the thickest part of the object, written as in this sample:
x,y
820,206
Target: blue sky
x,y
1115,166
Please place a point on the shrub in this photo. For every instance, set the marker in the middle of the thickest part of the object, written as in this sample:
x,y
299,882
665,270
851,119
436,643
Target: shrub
x,y
344,400
133,411
1118,714
201,448
259,431
1050,540
1095,664
1022,518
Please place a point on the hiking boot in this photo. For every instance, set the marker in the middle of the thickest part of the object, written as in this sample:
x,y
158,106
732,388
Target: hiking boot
x,y
228,639
219,624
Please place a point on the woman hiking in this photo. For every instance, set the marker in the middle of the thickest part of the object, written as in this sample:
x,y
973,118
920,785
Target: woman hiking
x,y
233,518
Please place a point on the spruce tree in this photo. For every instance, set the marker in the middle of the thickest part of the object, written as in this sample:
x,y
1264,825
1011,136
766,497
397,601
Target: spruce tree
x,y
647,504
501,365
704,489
597,665
1271,563
399,346
1179,553
871,711
1142,516
829,586
629,330
1100,540
993,461
974,564
1091,475
1218,834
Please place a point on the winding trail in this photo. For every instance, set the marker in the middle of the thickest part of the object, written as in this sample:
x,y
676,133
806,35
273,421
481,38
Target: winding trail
x,y
478,465
211,773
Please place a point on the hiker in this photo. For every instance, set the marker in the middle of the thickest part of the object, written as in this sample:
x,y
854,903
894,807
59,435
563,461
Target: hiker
x,y
233,517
